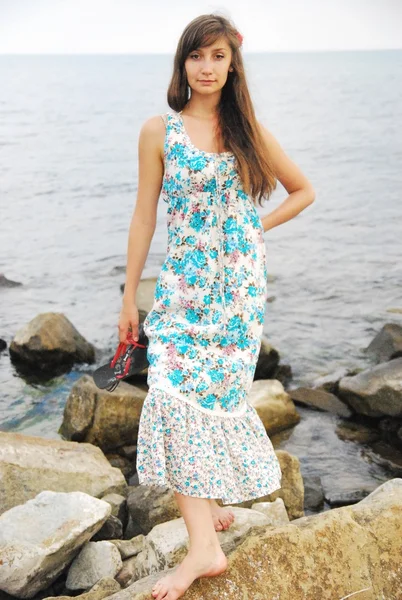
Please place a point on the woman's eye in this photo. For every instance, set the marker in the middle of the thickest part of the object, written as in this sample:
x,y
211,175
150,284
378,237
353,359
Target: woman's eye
x,y
196,55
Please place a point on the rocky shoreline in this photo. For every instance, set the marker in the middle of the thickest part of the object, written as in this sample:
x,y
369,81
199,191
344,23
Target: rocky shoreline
x,y
74,522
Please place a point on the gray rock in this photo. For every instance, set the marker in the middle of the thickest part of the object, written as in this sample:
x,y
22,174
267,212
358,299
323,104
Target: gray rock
x,y
129,548
375,392
268,360
30,464
151,505
41,537
313,492
387,344
96,560
111,529
320,399
119,506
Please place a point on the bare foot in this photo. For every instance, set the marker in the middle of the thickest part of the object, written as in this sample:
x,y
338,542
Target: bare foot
x,y
196,563
222,517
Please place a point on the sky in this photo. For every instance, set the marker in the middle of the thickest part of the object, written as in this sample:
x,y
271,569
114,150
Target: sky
x,y
154,26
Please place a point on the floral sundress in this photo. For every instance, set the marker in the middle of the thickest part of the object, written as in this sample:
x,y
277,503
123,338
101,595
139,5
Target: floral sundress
x,y
198,434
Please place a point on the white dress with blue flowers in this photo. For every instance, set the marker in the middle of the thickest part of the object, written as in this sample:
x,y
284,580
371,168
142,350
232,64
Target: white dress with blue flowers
x,y
198,434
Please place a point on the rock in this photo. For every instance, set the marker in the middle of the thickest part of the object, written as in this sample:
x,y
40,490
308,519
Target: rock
x,y
3,345
274,511
42,536
167,543
106,419
50,341
268,360
387,344
119,506
129,548
312,558
129,451
320,399
283,373
101,590
386,456
150,505
126,466
30,464
273,405
347,498
111,529
375,392
7,283
96,560
356,432
313,492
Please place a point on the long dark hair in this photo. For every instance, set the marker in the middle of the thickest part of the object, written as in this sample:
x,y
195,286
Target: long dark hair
x,y
238,126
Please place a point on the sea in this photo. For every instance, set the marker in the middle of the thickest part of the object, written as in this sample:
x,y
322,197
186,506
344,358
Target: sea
x,y
69,127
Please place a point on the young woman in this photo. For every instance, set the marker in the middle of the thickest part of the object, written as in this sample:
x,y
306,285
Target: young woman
x,y
212,160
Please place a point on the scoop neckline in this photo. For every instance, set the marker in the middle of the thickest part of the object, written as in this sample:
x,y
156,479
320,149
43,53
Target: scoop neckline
x,y
226,153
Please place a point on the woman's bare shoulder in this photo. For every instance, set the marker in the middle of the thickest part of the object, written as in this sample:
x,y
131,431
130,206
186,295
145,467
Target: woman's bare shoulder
x,y
152,133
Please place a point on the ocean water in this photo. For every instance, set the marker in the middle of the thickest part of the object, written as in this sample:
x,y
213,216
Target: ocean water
x,y
69,130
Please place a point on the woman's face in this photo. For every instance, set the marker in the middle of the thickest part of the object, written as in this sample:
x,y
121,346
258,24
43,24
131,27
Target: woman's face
x,y
207,67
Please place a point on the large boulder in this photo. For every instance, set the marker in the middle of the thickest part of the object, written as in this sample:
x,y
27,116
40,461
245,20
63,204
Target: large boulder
x,y
346,552
50,341
167,543
30,464
376,391
40,538
109,420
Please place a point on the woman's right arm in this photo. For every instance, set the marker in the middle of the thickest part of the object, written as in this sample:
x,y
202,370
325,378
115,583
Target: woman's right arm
x,y
143,221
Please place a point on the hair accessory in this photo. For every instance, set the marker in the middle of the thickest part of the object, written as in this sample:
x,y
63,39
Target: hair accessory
x,y
240,38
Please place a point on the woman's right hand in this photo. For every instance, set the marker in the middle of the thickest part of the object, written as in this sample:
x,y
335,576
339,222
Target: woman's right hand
x,y
128,322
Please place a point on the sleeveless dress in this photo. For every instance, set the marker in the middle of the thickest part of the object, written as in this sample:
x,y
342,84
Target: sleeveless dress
x,y
198,434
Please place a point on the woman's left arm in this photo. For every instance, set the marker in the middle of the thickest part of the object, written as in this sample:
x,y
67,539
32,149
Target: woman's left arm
x,y
300,190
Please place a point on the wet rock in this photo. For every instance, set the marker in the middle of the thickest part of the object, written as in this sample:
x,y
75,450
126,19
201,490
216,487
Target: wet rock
x,y
283,373
3,345
273,405
375,392
386,456
347,498
41,537
48,342
30,464
387,344
106,419
356,432
268,360
7,283
313,492
320,399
